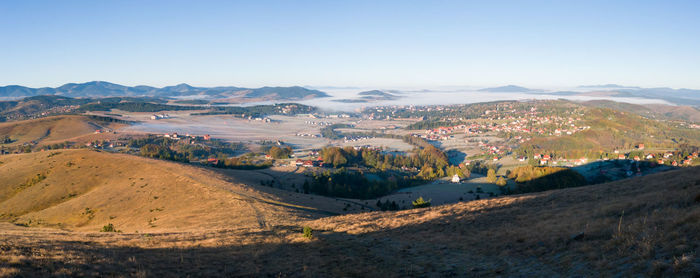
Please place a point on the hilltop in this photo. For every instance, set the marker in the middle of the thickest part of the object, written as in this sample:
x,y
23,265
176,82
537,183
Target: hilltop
x,y
646,225
507,89
370,96
55,129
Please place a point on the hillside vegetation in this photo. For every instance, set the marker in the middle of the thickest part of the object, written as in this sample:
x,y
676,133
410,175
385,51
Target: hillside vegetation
x,y
641,226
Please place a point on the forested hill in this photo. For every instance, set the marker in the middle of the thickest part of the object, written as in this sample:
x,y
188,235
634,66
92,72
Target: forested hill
x,y
43,106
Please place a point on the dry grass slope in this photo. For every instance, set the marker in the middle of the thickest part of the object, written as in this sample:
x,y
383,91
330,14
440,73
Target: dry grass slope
x,y
84,190
50,130
645,226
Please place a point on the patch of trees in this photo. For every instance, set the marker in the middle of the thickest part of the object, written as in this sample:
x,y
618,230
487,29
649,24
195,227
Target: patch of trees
x,y
192,101
535,179
356,184
387,205
387,172
430,124
161,152
185,149
108,119
280,152
462,173
481,167
431,161
330,133
243,163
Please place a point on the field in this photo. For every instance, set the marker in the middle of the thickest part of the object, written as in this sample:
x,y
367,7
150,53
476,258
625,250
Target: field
x,y
227,127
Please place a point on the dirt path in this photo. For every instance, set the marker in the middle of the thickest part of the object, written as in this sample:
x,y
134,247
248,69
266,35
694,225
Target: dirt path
x,y
258,214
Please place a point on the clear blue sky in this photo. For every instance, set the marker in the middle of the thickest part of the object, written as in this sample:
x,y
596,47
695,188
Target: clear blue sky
x,y
351,43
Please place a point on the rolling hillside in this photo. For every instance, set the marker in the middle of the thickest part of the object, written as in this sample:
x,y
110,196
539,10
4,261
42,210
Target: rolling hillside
x,y
612,129
56,129
641,226
85,190
654,111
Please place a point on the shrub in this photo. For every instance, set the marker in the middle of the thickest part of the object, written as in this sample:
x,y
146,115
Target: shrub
x,y
491,176
308,233
421,203
109,228
501,181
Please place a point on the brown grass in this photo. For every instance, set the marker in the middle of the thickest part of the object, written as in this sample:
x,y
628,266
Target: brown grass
x,y
645,226
85,190
51,130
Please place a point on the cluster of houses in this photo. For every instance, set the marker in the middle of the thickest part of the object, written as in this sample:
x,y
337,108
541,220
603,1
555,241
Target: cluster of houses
x,y
308,135
318,162
44,113
187,138
356,138
496,151
329,116
318,123
160,116
287,109
546,159
98,131
260,119
311,162
669,158
104,144
534,125
333,116
666,158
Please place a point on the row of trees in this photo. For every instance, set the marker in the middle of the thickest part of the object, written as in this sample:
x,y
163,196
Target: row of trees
x,y
243,163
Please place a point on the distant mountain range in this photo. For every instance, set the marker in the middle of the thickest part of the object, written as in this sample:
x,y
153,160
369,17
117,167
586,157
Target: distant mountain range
x,y
508,89
607,86
96,89
675,96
